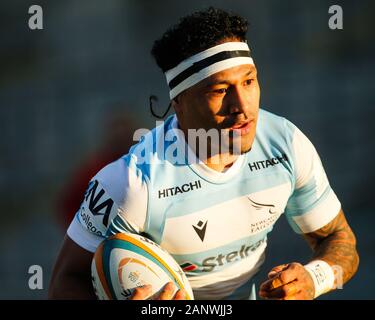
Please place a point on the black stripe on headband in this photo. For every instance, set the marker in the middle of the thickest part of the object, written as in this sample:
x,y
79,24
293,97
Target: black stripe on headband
x,y
199,65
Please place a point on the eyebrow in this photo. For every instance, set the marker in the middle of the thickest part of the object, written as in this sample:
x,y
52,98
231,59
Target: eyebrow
x,y
212,83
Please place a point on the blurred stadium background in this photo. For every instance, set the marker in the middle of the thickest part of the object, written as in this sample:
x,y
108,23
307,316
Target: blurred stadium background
x,y
60,86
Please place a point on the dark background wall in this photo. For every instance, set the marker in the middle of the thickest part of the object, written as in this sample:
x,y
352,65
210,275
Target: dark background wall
x,y
60,84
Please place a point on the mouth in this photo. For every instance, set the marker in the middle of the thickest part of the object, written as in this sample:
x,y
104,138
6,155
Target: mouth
x,y
242,128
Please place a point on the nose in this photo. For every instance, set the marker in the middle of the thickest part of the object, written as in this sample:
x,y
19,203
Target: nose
x,y
237,101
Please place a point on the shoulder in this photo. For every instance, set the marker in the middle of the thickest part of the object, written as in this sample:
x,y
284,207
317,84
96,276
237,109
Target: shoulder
x,y
131,172
271,124
111,178
275,130
278,133
150,150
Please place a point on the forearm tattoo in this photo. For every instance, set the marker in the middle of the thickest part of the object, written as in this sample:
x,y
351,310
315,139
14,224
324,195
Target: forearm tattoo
x,y
335,243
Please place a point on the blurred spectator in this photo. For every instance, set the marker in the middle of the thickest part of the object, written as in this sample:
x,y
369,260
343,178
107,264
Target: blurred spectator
x,y
118,138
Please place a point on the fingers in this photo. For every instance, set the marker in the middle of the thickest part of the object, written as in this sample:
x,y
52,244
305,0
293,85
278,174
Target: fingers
x,y
287,274
297,296
282,292
141,293
276,282
290,274
180,295
168,293
276,270
285,278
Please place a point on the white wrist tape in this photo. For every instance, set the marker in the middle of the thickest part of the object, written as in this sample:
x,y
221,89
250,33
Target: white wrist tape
x,y
322,275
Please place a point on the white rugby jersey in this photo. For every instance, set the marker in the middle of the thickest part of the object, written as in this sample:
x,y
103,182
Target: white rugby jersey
x,y
214,224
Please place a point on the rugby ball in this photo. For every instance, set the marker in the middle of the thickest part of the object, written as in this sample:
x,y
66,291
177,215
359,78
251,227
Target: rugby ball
x,y
124,262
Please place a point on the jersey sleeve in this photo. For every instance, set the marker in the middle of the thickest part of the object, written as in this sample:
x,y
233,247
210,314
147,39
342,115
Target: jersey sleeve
x,y
313,203
115,201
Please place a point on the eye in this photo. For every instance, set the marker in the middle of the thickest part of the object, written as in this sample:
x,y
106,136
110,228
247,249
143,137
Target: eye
x,y
220,91
248,82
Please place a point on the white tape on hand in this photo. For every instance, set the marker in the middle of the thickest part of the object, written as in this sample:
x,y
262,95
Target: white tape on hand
x,y
322,275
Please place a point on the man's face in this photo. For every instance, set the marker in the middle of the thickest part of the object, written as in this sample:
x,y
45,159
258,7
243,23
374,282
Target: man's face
x,y
227,101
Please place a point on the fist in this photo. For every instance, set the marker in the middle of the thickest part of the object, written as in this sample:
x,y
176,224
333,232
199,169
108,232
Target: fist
x,y
288,282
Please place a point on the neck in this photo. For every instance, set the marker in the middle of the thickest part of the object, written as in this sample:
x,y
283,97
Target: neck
x,y
220,162
214,160
212,157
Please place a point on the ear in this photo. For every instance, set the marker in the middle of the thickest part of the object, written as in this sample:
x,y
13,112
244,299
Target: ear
x,y
176,99
176,105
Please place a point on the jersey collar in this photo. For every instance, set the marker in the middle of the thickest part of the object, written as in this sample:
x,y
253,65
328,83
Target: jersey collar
x,y
200,167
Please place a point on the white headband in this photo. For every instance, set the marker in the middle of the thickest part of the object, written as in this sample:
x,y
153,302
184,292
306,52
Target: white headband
x,y
204,64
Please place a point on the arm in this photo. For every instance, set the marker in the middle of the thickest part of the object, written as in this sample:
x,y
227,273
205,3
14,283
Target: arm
x,y
335,244
71,277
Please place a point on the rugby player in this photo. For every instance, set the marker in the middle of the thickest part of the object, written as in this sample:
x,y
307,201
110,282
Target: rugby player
x,y
212,207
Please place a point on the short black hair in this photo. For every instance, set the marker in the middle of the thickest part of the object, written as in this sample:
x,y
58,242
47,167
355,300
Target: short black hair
x,y
195,33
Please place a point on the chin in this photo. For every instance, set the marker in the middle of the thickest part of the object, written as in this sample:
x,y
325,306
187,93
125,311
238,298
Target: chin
x,y
246,149
240,150
241,146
